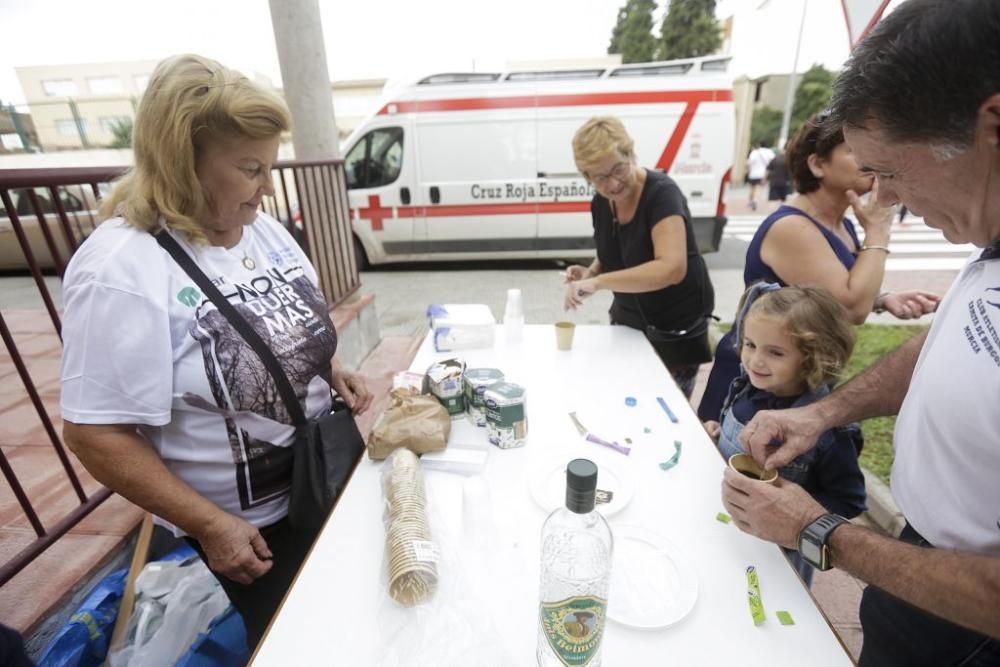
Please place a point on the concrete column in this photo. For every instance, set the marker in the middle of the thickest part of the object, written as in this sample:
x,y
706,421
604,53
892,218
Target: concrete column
x,y
298,36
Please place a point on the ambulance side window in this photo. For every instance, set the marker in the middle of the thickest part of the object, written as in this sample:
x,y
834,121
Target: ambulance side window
x,y
376,159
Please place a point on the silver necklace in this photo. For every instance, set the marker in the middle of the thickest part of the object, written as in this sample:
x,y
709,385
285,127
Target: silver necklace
x,y
248,262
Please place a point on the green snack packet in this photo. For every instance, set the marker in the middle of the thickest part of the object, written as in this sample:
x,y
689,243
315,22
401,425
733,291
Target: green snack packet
x,y
753,595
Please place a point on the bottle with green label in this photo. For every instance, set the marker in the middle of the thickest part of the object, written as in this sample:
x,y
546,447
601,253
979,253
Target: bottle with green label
x,y
576,571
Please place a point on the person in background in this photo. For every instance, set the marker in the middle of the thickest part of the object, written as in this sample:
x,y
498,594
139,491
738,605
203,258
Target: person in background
x,y
646,250
809,241
758,160
932,593
777,179
162,400
794,342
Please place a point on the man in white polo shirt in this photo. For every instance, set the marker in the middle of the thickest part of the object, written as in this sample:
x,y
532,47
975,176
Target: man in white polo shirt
x,y
920,105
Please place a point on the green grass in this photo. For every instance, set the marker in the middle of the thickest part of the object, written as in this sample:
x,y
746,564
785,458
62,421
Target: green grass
x,y
874,340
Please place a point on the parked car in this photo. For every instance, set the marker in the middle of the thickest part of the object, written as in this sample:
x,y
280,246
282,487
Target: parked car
x,y
80,206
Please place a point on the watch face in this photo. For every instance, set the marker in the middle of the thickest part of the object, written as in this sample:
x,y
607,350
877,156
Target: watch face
x,y
810,551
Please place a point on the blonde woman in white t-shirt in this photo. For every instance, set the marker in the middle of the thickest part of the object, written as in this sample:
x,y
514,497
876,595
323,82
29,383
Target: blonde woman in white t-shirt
x,y
162,400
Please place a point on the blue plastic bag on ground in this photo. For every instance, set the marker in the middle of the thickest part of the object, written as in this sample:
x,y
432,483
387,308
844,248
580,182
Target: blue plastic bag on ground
x,y
83,640
224,644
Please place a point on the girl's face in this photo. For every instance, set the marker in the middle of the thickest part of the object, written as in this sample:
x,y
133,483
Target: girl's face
x,y
771,358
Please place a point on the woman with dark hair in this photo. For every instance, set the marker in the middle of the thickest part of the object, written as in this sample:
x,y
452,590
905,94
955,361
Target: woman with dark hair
x,y
809,242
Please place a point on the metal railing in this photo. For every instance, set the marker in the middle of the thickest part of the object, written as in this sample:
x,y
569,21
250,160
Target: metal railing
x,y
51,212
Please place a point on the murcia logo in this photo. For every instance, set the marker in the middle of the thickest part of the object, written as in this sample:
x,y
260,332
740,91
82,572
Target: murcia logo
x,y
189,296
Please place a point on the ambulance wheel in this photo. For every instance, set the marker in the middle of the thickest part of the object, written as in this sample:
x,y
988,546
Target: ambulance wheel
x,y
360,256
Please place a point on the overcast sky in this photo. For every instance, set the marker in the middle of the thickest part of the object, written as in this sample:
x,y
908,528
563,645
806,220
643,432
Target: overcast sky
x,y
392,39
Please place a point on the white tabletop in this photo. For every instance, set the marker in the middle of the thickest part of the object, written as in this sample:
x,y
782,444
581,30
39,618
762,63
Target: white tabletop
x,y
485,610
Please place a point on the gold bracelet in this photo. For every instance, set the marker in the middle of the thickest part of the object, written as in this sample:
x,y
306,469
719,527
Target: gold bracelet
x,y
875,247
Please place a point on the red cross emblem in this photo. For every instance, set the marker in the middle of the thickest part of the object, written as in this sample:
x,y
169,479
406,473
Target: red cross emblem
x,y
375,212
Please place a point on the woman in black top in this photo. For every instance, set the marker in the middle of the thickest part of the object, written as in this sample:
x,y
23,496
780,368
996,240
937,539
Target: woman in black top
x,y
646,251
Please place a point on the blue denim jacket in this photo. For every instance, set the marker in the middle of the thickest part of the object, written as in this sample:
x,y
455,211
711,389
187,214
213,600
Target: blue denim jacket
x,y
829,471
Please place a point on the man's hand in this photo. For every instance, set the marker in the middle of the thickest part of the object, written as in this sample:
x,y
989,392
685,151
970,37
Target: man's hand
x,y
776,437
353,388
774,512
713,428
235,549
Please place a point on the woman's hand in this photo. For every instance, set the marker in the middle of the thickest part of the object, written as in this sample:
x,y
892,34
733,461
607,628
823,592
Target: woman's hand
x,y
576,272
910,304
875,219
577,291
235,549
353,388
713,428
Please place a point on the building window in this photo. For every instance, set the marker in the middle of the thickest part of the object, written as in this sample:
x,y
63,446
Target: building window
x,y
141,81
67,127
60,88
108,123
105,85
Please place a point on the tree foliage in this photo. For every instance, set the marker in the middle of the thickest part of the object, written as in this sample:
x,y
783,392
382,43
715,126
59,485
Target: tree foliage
x,y
689,30
765,126
812,94
632,35
121,131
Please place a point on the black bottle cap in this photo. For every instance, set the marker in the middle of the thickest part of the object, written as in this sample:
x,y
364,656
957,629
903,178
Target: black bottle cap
x,y
581,486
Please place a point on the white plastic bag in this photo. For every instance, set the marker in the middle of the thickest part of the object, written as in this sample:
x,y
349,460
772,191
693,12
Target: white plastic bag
x,y
175,602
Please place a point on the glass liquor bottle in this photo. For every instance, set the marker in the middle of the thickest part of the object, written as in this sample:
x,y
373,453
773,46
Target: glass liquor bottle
x,y
575,575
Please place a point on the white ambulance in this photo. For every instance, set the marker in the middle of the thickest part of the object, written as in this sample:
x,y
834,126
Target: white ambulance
x,y
480,166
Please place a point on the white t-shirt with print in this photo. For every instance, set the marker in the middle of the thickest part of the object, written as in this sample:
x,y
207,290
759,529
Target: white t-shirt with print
x,y
946,473
143,345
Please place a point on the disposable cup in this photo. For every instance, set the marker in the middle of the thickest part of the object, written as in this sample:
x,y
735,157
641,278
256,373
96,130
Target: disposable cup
x,y
746,465
564,335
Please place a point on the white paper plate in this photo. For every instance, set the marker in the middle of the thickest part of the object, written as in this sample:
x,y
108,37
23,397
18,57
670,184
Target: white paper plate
x,y
548,483
653,583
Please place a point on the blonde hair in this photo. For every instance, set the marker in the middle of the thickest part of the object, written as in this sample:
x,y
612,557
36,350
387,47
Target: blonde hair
x,y
598,138
818,324
189,103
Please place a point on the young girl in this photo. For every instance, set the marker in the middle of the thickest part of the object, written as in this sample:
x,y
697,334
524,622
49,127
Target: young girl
x,y
794,342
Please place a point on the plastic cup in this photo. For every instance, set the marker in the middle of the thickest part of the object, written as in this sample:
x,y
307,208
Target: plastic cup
x,y
564,335
745,465
514,310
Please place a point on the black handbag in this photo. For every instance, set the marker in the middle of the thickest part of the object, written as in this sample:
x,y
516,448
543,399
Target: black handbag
x,y
681,347
326,449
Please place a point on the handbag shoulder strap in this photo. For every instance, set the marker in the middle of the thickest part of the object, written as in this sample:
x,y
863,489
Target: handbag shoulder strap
x,y
169,243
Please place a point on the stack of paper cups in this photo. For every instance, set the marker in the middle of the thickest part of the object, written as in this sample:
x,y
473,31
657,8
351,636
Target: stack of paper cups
x,y
513,318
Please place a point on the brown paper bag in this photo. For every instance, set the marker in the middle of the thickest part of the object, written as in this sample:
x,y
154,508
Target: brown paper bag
x,y
413,420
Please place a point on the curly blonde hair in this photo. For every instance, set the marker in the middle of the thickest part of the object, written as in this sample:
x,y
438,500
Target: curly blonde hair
x,y
598,138
189,103
818,324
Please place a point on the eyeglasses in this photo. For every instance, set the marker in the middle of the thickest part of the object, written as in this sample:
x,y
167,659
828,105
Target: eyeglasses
x,y
618,172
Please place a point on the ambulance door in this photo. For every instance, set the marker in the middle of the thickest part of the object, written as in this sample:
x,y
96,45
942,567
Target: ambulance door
x,y
381,186
477,163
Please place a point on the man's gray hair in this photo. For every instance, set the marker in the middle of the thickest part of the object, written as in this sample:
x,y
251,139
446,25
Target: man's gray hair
x,y
923,72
